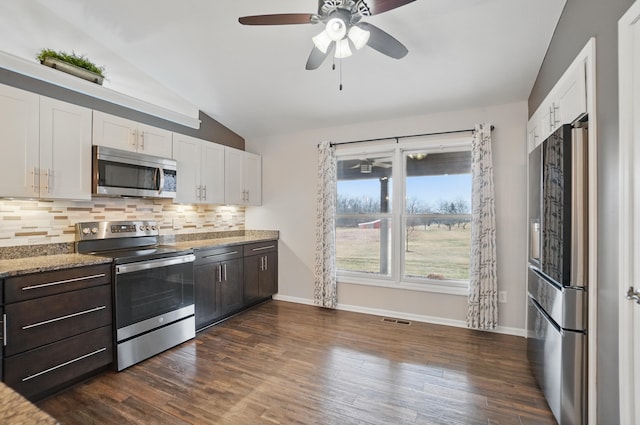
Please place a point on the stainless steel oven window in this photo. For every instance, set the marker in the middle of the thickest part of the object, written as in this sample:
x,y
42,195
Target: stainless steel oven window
x,y
151,292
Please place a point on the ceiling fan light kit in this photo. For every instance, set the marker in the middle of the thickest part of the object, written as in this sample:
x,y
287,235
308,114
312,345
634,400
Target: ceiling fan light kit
x,y
342,24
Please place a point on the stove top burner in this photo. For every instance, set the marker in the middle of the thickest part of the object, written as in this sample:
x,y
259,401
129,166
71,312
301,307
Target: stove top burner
x,y
123,256
123,241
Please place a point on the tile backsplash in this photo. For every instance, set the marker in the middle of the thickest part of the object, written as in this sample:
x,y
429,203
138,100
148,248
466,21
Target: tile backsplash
x,y
33,222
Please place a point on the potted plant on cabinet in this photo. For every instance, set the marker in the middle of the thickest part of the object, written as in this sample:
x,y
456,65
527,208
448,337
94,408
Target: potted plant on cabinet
x,y
77,65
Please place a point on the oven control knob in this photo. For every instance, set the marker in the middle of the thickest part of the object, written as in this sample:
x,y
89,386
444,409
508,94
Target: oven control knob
x,y
154,228
86,230
141,228
147,228
94,230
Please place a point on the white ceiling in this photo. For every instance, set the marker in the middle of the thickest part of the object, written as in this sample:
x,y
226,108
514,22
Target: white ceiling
x,y
179,54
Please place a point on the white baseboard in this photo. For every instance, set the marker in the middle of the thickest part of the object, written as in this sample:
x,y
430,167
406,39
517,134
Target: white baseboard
x,y
403,315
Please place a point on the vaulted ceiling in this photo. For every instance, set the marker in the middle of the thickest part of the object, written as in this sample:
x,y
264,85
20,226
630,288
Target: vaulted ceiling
x,y
178,54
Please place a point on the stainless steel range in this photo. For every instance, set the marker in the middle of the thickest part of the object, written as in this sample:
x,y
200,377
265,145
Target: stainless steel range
x,y
153,287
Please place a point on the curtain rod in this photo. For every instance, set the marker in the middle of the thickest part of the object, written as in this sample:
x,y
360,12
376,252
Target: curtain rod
x,y
439,133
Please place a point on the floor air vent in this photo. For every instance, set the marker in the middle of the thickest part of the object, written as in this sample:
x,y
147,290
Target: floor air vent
x,y
397,321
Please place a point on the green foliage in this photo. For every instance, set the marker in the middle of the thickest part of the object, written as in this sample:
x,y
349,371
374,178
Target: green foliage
x,y
77,60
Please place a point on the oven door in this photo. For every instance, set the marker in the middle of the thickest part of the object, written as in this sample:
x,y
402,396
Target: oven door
x,y
151,294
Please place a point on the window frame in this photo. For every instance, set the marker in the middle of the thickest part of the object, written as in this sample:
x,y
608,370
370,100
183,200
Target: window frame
x,y
398,150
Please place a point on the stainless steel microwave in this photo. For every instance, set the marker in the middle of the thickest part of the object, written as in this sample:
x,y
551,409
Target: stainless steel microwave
x,y
122,173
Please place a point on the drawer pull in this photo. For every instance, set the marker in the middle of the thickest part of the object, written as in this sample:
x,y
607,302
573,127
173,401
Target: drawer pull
x,y
68,316
263,248
62,282
51,369
219,255
4,329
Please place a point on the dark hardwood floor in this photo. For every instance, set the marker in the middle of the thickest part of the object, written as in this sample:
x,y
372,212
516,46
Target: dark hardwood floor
x,y
284,363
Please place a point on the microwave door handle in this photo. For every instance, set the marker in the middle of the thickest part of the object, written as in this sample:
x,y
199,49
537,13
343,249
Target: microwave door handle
x,y
160,172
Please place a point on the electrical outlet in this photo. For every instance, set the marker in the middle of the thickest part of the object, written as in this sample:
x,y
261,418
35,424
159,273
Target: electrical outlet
x,y
502,297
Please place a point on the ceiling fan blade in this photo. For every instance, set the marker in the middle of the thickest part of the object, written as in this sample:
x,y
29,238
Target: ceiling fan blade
x,y
381,164
317,57
383,42
279,19
377,7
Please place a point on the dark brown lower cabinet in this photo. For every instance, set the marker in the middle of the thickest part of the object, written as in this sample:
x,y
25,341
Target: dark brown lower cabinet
x,y
36,372
58,328
260,271
218,284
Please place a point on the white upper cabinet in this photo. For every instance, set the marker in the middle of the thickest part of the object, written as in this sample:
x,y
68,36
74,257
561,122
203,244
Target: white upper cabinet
x,y
65,150
200,170
243,177
566,103
19,132
47,147
121,133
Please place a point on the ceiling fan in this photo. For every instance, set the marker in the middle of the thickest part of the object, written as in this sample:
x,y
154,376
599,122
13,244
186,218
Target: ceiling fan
x,y
342,20
366,165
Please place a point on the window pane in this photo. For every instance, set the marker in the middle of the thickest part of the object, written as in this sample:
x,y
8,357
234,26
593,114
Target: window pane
x,y
363,225
437,231
363,244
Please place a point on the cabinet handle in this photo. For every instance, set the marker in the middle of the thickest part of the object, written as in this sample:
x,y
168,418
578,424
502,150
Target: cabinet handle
x,y
50,180
225,271
51,369
555,109
4,329
263,248
134,139
219,273
62,282
35,175
219,255
141,137
47,181
68,316
204,188
266,262
261,263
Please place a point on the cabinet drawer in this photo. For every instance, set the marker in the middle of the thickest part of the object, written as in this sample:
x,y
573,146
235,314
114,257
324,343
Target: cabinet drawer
x,y
49,283
216,255
37,371
260,248
33,323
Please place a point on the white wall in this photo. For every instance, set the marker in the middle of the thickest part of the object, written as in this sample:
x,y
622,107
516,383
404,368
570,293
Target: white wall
x,y
289,190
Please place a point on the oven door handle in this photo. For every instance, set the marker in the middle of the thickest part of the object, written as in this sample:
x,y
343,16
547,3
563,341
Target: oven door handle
x,y
154,264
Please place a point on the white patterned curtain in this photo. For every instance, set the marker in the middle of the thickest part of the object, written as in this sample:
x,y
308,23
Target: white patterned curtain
x,y
325,294
483,285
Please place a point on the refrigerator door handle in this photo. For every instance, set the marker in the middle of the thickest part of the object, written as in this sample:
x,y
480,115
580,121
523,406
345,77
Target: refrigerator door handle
x,y
579,208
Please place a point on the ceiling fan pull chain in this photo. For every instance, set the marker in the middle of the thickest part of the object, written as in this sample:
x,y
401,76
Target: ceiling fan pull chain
x,y
340,74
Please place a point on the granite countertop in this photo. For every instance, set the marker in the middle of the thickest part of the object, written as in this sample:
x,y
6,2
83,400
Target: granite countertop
x,y
18,262
27,265
16,410
220,242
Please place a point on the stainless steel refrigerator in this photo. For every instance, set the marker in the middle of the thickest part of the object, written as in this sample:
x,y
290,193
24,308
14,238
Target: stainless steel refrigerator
x,y
557,272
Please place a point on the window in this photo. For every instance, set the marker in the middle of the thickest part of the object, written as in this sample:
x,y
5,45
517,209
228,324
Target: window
x,y
422,237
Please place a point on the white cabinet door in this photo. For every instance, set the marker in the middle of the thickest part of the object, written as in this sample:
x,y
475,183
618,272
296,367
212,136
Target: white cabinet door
x,y
65,150
200,170
212,173
253,178
186,151
19,132
114,132
121,133
242,178
571,99
234,176
154,141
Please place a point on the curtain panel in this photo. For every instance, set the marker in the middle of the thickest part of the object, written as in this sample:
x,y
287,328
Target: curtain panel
x,y
483,282
325,293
